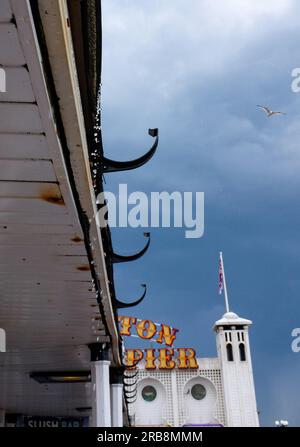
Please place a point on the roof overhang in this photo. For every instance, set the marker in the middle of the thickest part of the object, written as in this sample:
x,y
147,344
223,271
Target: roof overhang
x,y
52,255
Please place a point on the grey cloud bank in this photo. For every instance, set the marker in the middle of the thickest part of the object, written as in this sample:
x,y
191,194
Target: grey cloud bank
x,y
197,70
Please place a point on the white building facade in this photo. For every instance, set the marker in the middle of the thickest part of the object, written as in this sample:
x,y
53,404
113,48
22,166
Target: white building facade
x,y
219,392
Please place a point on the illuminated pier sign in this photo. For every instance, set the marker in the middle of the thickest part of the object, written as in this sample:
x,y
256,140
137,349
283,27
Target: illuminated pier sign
x,y
148,330
167,358
182,358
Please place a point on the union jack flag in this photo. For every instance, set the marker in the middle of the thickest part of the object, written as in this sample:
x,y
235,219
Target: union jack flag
x,y
220,277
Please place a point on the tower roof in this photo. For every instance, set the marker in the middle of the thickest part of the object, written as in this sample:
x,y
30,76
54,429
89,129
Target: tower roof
x,y
232,319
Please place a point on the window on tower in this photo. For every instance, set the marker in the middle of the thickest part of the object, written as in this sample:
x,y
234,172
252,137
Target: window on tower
x,y
229,352
242,352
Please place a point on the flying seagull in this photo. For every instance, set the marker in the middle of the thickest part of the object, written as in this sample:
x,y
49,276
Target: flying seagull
x,y
270,112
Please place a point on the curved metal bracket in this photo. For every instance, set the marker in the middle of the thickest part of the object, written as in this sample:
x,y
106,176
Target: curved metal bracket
x,y
130,384
122,305
115,258
130,377
131,401
109,165
130,394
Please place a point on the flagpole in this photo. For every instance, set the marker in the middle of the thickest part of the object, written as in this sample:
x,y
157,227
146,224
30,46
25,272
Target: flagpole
x,y
224,283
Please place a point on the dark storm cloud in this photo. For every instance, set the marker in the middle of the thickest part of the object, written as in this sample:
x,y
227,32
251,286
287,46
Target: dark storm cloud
x,y
197,70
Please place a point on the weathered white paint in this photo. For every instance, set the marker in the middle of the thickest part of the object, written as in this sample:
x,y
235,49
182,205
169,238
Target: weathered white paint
x,y
101,403
10,49
5,11
2,340
18,85
24,146
47,304
116,395
20,118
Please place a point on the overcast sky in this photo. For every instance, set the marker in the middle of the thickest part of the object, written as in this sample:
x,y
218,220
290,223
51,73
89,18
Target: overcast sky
x,y
196,69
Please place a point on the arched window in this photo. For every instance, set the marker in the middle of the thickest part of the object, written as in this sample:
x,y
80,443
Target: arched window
x,y
229,352
242,352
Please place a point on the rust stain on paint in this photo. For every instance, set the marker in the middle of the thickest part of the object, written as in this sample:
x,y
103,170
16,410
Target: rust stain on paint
x,y
84,268
77,239
52,195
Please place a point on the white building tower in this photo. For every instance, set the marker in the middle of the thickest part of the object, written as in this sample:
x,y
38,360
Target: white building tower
x,y
236,371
